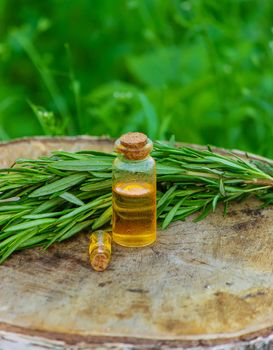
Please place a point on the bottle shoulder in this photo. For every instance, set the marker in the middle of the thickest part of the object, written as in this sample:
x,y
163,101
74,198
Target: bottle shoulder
x,y
121,163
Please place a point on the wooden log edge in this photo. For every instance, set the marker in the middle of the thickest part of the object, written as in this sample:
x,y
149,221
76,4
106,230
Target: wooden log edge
x,y
110,141
257,340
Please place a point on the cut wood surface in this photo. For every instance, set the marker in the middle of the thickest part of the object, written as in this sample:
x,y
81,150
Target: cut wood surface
x,y
201,284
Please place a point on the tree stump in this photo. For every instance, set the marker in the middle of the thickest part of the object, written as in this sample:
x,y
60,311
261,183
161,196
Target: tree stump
x,y
206,284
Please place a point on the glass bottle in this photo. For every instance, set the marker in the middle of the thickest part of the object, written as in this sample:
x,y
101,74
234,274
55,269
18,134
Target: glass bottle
x,y
134,192
100,250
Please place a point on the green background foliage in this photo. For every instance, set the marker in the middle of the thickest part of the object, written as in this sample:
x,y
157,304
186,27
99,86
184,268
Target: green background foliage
x,y
198,69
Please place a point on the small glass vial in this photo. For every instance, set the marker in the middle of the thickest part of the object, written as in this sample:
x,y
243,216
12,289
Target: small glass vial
x,y
100,250
134,192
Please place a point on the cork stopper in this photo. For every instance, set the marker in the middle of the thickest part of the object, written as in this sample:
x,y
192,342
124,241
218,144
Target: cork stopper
x,y
100,261
134,140
134,145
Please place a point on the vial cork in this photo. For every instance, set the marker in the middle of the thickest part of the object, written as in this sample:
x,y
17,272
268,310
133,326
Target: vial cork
x,y
134,145
134,140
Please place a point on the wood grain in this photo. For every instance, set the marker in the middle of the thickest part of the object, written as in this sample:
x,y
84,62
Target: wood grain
x,y
200,284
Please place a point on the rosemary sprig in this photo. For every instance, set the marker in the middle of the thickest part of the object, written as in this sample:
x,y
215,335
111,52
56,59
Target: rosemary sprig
x,y
52,198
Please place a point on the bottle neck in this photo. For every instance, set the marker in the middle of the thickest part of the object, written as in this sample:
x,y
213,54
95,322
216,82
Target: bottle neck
x,y
123,158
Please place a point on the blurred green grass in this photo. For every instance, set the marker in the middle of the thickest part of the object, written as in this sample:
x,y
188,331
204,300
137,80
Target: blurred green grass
x,y
200,69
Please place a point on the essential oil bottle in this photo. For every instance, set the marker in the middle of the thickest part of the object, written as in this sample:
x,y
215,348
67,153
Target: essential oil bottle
x,y
134,192
100,250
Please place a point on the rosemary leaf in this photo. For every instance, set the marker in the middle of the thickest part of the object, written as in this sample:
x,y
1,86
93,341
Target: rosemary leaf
x,y
59,185
29,224
84,165
71,198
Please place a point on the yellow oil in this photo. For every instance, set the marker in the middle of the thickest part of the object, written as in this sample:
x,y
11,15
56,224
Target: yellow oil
x,y
100,250
134,214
